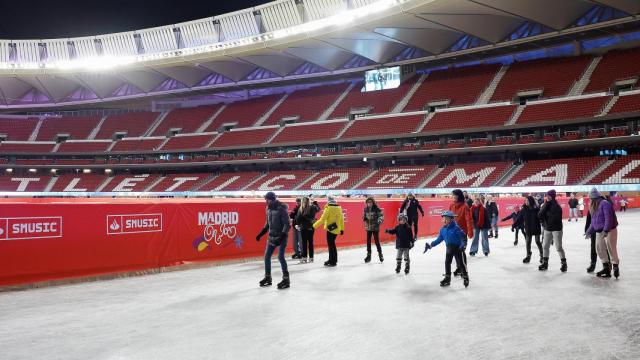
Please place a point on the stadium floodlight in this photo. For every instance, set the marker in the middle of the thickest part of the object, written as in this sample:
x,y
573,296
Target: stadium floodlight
x,y
86,171
107,171
9,170
53,171
364,159
33,170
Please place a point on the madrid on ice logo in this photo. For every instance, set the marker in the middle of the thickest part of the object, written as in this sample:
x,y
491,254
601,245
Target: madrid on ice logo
x,y
133,223
23,228
435,210
218,227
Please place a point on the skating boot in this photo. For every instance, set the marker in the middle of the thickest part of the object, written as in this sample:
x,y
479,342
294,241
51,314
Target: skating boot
x,y
605,272
527,259
446,281
310,259
496,234
515,243
368,258
266,281
490,234
381,257
465,279
591,268
398,266
406,268
616,271
563,267
545,264
486,253
284,284
541,259
457,272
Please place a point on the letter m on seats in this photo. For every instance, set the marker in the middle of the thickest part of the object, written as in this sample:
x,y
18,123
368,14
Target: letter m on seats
x,y
462,178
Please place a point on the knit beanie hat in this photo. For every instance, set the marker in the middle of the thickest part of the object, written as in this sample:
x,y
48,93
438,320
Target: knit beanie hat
x,y
551,193
331,200
594,194
270,196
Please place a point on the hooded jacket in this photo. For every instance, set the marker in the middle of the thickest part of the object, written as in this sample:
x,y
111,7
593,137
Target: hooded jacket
x,y
604,218
277,223
404,236
550,216
332,214
451,234
372,218
463,217
293,213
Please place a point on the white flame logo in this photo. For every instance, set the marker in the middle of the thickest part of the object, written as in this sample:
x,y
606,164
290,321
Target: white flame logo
x,y
114,226
1,231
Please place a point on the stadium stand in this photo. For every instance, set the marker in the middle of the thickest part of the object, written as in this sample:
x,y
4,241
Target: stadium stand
x,y
356,99
133,124
77,127
244,113
307,104
186,119
17,129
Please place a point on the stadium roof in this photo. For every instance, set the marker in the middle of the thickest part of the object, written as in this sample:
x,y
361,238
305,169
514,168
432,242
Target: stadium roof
x,y
287,40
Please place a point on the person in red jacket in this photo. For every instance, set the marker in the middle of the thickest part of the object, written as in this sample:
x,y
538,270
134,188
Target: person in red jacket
x,y
463,219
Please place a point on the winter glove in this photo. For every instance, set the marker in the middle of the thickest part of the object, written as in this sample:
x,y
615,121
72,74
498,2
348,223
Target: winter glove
x,y
413,242
427,246
513,229
341,232
387,231
264,231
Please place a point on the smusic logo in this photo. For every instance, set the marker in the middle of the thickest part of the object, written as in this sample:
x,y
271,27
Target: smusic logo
x,y
133,224
24,228
218,227
435,210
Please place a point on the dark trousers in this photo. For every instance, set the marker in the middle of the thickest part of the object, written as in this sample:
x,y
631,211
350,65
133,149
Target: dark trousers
x,y
623,208
594,254
528,239
333,251
517,231
376,237
464,255
413,221
307,242
454,251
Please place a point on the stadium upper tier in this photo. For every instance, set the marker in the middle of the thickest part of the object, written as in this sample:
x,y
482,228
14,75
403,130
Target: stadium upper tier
x,y
425,106
286,40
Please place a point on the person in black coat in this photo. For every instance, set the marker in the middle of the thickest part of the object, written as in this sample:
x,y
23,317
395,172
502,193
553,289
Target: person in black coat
x,y
305,217
277,226
296,232
411,205
517,223
404,242
551,217
531,226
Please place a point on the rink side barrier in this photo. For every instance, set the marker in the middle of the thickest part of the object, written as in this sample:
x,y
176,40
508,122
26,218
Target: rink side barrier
x,y
48,239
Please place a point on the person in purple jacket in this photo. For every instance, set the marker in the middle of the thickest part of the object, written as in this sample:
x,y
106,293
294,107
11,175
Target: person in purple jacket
x,y
604,224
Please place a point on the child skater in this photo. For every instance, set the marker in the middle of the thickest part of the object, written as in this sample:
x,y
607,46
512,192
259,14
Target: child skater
x,y
404,242
518,223
453,237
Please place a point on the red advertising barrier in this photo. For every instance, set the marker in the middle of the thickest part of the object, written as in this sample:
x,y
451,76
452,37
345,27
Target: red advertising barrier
x,y
48,239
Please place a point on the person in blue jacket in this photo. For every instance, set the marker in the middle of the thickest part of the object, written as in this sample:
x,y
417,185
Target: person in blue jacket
x,y
453,236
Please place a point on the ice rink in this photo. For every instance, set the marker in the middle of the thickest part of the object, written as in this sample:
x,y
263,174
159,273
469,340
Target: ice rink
x,y
354,311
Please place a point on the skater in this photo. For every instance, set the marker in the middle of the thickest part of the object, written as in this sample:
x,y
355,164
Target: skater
x,y
372,217
532,228
452,236
573,207
481,225
605,225
332,220
594,252
551,217
305,218
581,205
296,232
463,213
492,208
277,225
623,205
404,242
517,223
467,199
411,206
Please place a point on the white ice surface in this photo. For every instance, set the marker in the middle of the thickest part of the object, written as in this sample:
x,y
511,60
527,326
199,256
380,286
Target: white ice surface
x,y
353,311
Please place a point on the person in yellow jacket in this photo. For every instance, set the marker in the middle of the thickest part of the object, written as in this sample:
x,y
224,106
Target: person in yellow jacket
x,y
333,220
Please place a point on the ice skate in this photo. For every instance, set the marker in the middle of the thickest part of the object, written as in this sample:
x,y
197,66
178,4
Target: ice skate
x,y
284,284
381,257
591,268
563,267
367,259
446,281
616,271
605,272
545,264
398,266
266,281
527,259
465,278
406,269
